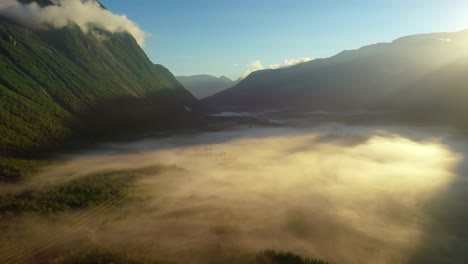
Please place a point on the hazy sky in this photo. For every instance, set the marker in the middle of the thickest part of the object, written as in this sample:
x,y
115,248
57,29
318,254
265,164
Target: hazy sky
x,y
224,37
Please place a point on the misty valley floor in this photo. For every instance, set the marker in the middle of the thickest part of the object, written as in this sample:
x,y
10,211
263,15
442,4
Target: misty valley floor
x,y
343,193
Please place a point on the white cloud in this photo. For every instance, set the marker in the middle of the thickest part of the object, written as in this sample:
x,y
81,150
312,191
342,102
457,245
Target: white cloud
x,y
84,14
257,65
252,67
288,63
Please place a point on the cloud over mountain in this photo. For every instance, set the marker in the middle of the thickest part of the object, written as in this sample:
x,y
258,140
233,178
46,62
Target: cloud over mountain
x,y
258,65
291,62
252,67
85,14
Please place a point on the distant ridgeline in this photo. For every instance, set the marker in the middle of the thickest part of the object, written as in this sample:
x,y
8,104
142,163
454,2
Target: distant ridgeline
x,y
418,78
202,86
57,84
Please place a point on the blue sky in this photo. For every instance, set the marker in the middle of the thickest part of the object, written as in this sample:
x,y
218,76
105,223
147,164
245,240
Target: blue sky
x,y
223,37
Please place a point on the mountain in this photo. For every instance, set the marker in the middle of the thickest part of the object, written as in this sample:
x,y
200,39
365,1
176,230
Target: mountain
x,y
421,76
202,86
59,84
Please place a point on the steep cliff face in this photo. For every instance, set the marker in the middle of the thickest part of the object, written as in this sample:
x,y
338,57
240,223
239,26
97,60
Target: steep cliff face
x,y
56,83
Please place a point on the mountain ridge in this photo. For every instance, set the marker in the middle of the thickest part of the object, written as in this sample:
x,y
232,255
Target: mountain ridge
x,y
373,77
203,85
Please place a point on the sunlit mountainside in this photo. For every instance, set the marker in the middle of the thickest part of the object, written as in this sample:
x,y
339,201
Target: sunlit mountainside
x,y
413,76
61,83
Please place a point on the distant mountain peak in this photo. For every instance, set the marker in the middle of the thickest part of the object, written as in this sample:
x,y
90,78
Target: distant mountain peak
x,y
204,85
224,78
433,37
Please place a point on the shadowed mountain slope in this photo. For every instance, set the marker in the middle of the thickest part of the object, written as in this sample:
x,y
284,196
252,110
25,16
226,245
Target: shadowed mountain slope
x,y
414,75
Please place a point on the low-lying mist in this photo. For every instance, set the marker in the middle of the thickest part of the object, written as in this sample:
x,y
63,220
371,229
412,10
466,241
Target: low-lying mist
x,y
352,195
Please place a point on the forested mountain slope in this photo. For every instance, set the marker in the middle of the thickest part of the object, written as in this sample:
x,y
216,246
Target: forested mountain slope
x,y
61,83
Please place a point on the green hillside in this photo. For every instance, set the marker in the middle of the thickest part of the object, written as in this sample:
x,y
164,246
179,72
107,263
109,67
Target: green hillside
x,y
62,83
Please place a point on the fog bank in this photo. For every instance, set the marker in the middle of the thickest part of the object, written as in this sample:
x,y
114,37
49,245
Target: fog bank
x,y
348,196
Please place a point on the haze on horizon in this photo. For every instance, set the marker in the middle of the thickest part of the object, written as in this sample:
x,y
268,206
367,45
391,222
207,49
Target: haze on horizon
x,y
235,37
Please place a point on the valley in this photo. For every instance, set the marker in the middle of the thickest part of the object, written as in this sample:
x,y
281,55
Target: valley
x,y
222,195
168,133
